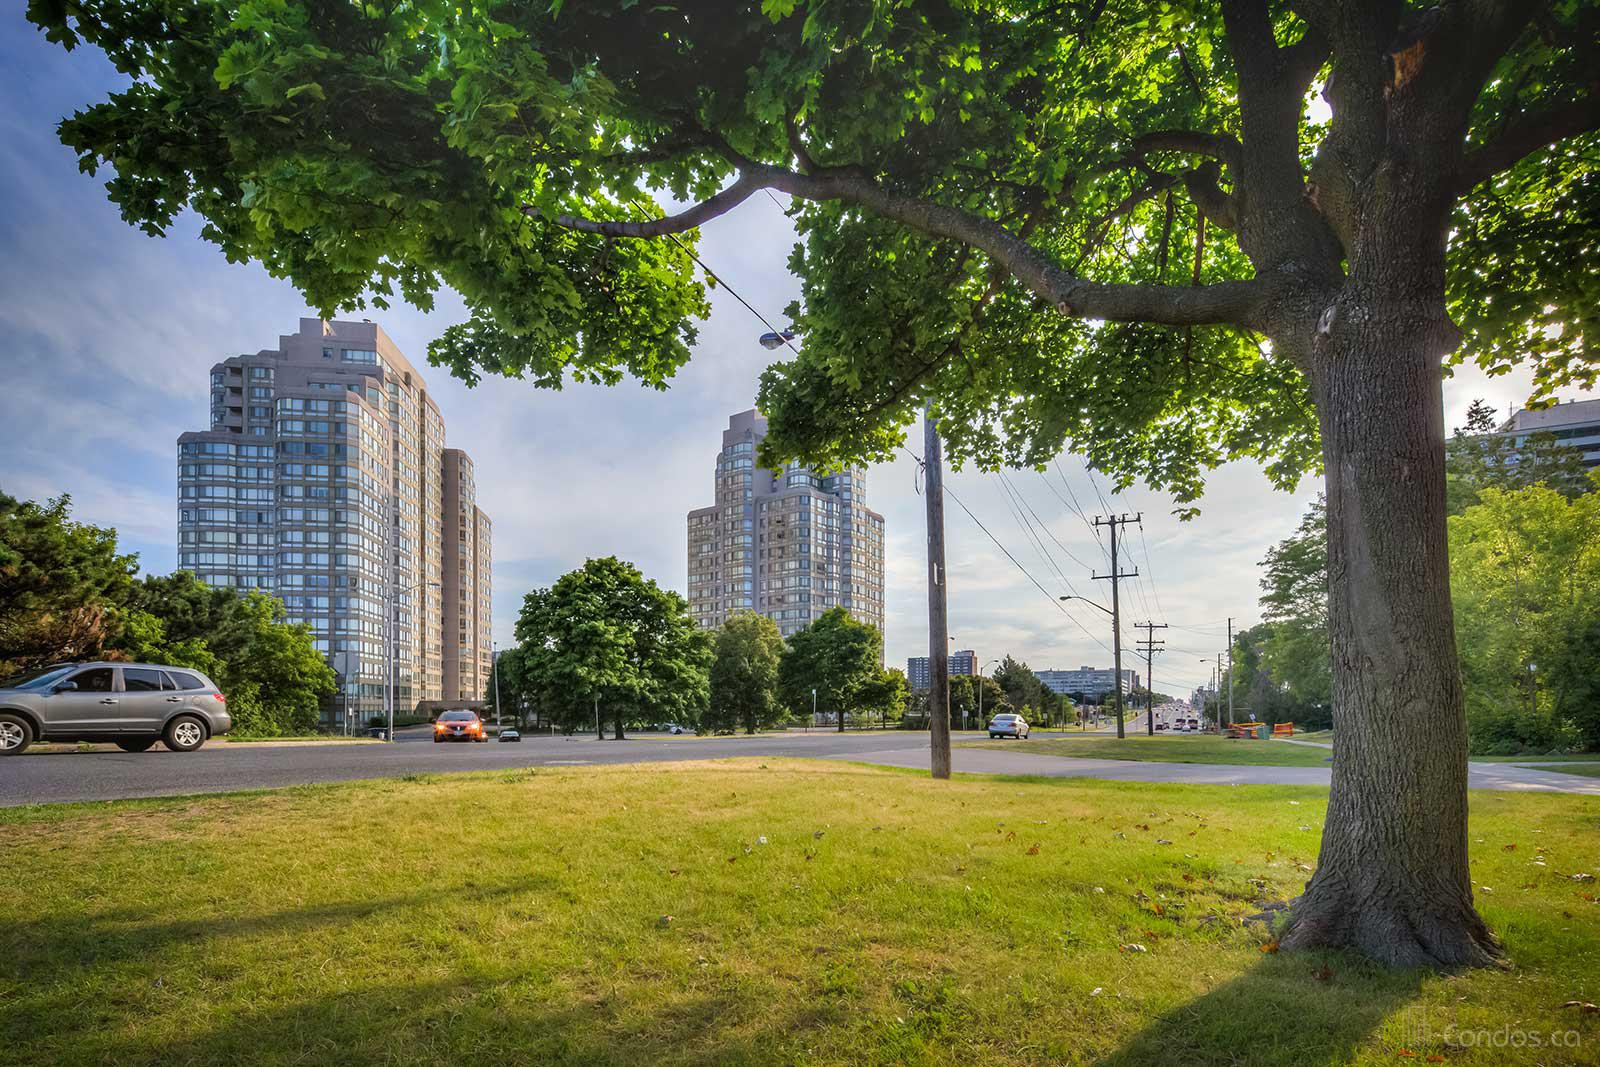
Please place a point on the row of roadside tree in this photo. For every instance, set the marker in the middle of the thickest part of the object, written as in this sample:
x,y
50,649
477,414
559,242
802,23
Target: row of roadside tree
x,y
67,592
604,646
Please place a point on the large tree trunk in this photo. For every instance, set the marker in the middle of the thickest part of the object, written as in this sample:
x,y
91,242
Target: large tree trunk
x,y
1392,880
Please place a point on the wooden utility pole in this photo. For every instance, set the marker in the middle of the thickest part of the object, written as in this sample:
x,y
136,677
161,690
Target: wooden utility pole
x,y
1149,646
1115,521
1230,670
938,624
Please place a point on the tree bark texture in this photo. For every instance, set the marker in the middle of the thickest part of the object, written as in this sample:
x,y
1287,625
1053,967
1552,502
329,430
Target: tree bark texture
x,y
1392,880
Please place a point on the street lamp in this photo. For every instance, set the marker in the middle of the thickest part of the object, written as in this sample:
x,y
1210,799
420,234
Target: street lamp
x,y
1086,600
980,687
388,697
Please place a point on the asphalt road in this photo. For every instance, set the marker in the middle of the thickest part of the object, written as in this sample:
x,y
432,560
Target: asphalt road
x,y
109,774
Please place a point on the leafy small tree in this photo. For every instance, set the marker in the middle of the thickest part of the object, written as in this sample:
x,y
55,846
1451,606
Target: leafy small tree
x,y
744,675
605,639
965,705
1525,579
839,657
62,585
1023,689
885,696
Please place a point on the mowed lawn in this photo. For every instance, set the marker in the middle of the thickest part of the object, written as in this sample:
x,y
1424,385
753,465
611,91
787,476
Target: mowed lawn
x,y
1195,748
751,911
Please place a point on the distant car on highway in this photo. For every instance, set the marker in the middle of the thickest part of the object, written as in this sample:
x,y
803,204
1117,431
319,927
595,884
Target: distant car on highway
x,y
1008,725
508,734
462,725
132,705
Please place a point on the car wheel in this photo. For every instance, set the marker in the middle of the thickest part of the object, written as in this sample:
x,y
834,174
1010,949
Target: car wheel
x,y
15,734
136,744
184,734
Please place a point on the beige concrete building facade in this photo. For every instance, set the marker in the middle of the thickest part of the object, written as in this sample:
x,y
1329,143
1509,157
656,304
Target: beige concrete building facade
x,y
468,541
321,480
787,544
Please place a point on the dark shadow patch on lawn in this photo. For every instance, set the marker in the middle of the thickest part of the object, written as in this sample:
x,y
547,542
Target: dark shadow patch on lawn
x,y
477,1020
45,960
1288,1009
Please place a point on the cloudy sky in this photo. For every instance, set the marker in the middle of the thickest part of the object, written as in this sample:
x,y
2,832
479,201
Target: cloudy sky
x,y
110,334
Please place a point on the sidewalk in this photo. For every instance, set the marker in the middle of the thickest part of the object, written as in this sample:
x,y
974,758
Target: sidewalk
x,y
1499,777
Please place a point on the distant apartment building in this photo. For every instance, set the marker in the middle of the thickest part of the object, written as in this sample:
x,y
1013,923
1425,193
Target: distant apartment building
x,y
321,480
468,540
918,674
1088,681
1575,424
788,544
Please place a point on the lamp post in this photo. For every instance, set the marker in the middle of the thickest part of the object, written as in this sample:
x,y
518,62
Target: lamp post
x,y
980,687
388,697
494,665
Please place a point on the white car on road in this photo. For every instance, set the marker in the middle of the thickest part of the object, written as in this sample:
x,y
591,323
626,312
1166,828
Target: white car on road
x,y
1009,725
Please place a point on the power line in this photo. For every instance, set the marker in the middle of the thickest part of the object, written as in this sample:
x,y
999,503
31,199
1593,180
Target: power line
x,y
722,282
1014,561
1045,526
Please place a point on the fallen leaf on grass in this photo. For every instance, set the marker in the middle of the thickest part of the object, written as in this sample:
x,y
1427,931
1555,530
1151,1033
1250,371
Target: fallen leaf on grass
x,y
1270,947
1133,946
1034,851
1323,973
1509,848
665,920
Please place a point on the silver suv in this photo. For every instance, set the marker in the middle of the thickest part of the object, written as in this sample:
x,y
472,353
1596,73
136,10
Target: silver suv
x,y
132,704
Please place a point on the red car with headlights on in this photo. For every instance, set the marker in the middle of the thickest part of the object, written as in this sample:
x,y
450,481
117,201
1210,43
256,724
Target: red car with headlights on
x,y
459,726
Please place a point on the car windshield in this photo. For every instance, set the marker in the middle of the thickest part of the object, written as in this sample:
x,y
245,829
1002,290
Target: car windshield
x,y
42,678
458,716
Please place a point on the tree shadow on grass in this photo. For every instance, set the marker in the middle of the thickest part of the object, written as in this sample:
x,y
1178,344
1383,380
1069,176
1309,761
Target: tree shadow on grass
x,y
468,1020
50,961
1311,1008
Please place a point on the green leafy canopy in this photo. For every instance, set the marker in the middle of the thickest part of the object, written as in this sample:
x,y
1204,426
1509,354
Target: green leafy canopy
x,y
1108,224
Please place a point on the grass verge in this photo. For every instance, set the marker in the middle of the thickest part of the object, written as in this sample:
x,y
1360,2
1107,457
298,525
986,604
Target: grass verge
x,y
1197,748
1588,770
750,911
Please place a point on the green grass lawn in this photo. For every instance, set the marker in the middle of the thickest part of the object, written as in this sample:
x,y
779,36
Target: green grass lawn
x,y
1588,770
749,911
1194,748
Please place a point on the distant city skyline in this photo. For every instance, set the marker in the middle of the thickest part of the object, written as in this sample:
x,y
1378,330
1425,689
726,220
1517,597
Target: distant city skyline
x,y
111,332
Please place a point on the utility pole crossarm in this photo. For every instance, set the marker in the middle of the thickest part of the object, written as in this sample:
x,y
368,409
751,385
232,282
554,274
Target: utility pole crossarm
x,y
1150,647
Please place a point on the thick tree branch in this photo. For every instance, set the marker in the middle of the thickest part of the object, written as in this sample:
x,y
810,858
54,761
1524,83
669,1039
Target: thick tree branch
x,y
1529,134
1216,205
705,211
1219,146
797,145
1238,303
